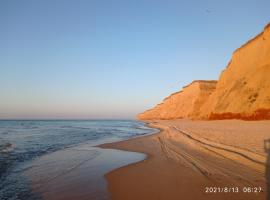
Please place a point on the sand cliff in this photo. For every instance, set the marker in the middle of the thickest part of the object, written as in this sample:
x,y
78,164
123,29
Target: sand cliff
x,y
183,104
242,91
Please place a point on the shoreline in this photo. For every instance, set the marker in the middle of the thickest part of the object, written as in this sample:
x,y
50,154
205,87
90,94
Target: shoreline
x,y
178,167
77,171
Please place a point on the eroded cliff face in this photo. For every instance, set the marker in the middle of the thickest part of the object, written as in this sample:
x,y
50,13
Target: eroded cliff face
x,y
242,91
183,104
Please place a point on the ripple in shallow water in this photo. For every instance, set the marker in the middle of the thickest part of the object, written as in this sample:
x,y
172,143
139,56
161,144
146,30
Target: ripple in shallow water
x,y
23,141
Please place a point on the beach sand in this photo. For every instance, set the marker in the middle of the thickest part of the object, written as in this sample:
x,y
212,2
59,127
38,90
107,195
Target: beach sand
x,y
76,173
186,158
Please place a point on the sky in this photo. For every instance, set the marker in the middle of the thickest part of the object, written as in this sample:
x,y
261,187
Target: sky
x,y
112,59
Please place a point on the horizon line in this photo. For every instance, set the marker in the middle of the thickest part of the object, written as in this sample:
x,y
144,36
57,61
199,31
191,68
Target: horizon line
x,y
44,119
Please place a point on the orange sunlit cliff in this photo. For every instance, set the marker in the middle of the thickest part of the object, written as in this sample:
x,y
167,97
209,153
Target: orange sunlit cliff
x,y
242,91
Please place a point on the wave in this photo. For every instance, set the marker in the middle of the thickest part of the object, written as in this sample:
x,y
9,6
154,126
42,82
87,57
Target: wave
x,y
7,147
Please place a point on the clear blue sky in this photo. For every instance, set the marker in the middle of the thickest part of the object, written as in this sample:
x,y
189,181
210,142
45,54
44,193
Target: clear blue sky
x,y
114,58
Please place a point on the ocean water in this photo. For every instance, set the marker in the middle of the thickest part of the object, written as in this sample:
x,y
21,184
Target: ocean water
x,y
21,142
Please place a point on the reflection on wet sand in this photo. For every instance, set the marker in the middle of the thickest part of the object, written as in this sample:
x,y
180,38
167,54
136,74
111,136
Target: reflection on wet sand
x,y
77,173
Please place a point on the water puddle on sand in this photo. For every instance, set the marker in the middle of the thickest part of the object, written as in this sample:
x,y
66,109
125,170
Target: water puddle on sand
x,y
76,173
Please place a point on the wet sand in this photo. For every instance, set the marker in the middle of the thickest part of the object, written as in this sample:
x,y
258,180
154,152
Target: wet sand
x,y
76,173
186,157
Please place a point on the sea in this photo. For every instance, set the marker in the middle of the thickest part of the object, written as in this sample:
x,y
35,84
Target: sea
x,y
24,142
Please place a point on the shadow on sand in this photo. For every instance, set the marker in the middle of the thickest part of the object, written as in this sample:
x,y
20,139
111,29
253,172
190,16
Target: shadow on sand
x,y
267,167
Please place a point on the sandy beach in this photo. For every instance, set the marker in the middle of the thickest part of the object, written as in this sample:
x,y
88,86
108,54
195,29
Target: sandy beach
x,y
135,100
76,173
195,160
